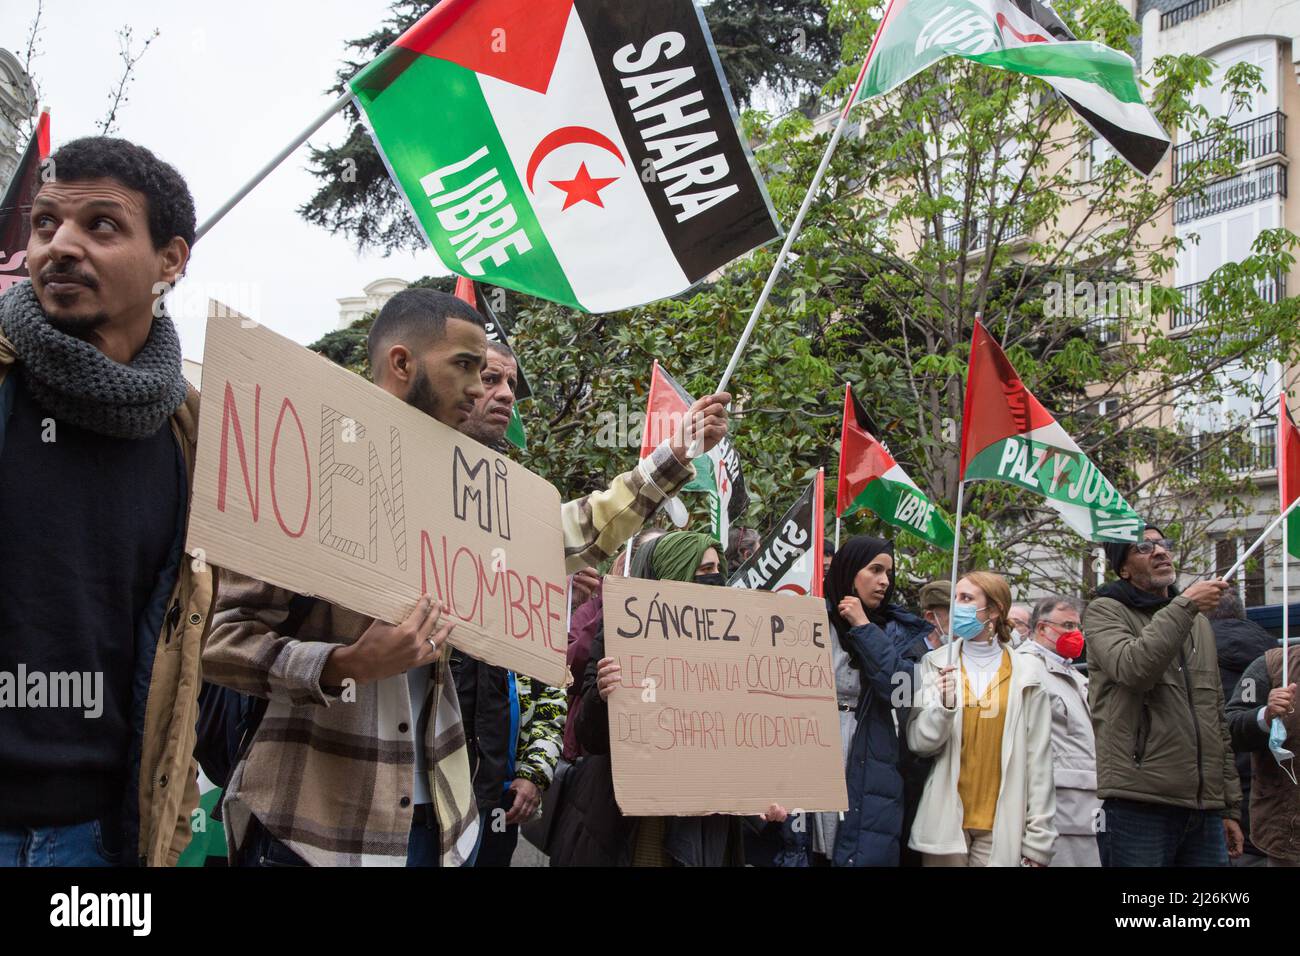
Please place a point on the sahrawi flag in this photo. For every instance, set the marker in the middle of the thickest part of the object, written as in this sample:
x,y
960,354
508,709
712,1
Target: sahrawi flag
x,y
717,472
790,559
467,290
584,152
1099,83
1288,475
1008,436
871,479
16,207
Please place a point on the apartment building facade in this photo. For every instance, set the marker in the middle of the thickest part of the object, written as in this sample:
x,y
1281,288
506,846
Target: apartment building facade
x,y
1222,225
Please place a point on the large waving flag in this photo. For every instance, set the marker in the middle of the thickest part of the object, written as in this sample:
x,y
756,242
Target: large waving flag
x,y
790,559
1288,474
467,290
1099,83
717,472
1008,436
16,206
583,151
871,479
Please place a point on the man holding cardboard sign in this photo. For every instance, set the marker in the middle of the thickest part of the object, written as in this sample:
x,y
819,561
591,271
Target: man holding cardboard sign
x,y
342,764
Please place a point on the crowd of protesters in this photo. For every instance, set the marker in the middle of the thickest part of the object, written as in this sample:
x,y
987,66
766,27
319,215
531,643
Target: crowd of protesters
x,y
1005,749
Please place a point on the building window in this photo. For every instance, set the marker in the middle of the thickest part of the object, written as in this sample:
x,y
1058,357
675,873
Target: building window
x,y
1226,552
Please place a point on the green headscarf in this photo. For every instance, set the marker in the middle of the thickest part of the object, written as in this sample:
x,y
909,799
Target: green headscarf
x,y
675,556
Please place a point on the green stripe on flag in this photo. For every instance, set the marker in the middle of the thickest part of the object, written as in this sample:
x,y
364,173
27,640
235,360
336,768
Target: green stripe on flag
x,y
435,93
1293,534
515,431
905,507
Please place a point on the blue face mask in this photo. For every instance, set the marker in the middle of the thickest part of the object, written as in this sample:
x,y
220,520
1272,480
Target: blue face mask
x,y
965,621
1276,738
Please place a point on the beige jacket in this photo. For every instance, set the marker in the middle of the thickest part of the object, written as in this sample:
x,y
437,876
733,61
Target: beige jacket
x,y
1023,822
168,783
1074,750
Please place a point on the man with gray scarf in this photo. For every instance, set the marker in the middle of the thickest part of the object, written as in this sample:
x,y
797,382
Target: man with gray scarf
x,y
97,438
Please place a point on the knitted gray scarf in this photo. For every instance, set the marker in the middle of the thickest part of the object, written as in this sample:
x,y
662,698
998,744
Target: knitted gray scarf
x,y
77,383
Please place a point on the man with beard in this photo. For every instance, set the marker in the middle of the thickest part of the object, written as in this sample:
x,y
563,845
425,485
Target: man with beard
x,y
1165,769
514,725
97,439
382,779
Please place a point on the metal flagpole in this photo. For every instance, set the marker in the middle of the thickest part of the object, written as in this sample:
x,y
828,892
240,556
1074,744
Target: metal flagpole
x,y
1260,540
956,550
266,170
837,533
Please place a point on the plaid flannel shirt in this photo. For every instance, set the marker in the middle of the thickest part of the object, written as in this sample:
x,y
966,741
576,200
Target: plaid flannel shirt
x,y
331,778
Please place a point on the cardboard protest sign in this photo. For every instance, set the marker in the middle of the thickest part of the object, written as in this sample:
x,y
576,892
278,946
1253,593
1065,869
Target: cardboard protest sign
x,y
310,478
727,701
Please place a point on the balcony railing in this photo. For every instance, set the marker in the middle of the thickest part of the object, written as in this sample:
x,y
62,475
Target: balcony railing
x,y
1240,190
1013,227
1181,14
1261,136
1251,453
1194,306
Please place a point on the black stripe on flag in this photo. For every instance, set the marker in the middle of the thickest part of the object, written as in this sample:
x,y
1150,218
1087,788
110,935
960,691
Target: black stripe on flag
x,y
796,535
1142,152
657,39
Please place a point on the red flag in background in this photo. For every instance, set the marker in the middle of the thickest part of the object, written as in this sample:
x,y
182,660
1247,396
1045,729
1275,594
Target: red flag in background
x,y
16,207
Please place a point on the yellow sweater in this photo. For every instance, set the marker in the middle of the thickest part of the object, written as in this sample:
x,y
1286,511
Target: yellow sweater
x,y
980,777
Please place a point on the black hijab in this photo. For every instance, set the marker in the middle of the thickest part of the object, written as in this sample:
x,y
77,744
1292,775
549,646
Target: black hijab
x,y
857,553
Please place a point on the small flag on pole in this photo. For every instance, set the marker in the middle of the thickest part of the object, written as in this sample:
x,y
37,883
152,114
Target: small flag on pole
x,y
1288,474
1008,436
717,472
1024,36
16,207
790,559
870,478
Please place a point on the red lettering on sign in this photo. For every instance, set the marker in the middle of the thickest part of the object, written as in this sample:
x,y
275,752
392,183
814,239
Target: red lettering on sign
x,y
287,406
230,417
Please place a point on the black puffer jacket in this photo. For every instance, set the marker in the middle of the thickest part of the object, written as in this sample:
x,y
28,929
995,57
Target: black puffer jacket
x,y
1239,643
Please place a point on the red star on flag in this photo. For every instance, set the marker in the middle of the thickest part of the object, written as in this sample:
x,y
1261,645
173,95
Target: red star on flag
x,y
582,188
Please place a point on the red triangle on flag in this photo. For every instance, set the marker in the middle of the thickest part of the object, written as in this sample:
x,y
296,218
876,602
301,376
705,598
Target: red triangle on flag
x,y
465,291
998,405
1288,455
863,459
517,41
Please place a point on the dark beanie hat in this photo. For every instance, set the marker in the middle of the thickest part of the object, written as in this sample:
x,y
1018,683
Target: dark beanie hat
x,y
1117,551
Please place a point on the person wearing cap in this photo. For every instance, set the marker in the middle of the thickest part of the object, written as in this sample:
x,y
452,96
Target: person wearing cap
x,y
1056,638
934,600
1165,770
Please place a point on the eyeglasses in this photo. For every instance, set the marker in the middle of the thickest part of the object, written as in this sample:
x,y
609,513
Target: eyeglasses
x,y
1146,547
1066,626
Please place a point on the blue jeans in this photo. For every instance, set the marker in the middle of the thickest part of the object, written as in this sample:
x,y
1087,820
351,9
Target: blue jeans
x,y
1149,834
81,844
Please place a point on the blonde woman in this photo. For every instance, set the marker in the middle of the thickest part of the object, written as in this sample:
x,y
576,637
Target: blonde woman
x,y
986,718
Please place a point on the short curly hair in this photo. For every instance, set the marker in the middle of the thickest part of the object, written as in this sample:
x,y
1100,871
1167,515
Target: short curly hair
x,y
169,204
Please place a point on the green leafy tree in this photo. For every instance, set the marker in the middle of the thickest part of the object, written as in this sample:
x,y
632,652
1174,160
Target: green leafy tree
x,y
966,191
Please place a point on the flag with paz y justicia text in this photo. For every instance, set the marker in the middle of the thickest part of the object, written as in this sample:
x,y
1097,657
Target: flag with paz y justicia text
x,y
1008,436
1024,36
581,151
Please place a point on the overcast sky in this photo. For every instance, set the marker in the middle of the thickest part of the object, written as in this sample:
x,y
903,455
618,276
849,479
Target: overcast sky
x,y
222,88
